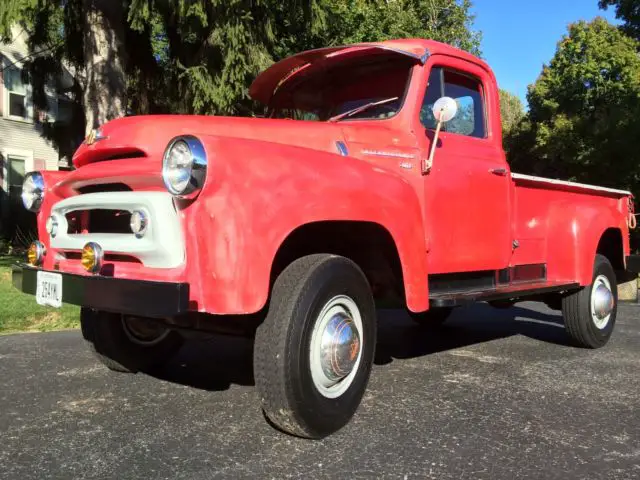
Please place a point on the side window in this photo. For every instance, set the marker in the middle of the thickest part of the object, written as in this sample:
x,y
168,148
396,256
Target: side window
x,y
434,92
466,91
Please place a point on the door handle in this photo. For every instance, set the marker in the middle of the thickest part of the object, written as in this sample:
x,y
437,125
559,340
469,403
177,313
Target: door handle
x,y
498,171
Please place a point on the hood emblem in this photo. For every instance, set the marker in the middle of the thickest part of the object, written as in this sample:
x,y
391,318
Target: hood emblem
x,y
342,148
94,136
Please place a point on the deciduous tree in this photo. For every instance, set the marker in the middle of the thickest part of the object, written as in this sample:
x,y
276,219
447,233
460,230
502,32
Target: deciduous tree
x,y
511,110
629,12
584,110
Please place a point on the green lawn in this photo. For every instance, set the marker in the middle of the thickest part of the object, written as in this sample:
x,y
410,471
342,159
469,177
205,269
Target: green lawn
x,y
20,312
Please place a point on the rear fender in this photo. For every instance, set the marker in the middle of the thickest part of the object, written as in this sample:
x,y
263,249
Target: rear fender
x,y
574,232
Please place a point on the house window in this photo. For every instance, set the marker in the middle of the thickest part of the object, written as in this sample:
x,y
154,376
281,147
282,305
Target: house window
x,y
64,110
16,168
14,164
16,95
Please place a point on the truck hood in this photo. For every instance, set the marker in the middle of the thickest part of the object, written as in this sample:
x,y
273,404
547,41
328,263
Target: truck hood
x,y
268,82
148,136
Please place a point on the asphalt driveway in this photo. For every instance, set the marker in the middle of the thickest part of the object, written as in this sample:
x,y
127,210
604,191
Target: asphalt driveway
x,y
495,394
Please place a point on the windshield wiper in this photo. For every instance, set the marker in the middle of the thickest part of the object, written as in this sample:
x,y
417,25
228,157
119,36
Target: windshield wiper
x,y
361,108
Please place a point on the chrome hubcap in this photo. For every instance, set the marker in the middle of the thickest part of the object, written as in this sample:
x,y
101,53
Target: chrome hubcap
x,y
336,346
602,302
339,347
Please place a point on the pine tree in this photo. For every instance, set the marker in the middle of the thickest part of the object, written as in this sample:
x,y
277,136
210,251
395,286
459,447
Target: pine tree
x,y
200,56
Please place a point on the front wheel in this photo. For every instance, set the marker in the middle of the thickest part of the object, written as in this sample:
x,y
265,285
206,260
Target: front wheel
x,y
128,344
590,313
313,353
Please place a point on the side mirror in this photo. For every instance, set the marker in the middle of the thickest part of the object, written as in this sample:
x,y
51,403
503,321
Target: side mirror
x,y
444,110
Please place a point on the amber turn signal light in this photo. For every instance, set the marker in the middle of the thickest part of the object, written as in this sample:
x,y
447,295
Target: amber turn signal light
x,y
36,253
92,257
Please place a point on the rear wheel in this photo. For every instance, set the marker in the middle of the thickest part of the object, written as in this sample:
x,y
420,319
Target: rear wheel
x,y
313,353
432,317
128,344
590,314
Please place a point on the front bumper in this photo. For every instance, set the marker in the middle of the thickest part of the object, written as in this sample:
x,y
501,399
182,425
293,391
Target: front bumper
x,y
131,297
633,263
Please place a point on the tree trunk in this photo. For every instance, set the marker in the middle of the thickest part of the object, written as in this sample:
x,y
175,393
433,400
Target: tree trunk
x,y
104,57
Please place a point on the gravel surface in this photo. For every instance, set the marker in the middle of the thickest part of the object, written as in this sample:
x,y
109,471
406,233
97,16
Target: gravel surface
x,y
494,394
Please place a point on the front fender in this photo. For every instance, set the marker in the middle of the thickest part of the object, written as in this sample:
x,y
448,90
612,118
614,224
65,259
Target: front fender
x,y
258,192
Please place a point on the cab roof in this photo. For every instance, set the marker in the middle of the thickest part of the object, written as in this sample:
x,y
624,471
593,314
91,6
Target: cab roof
x,y
265,85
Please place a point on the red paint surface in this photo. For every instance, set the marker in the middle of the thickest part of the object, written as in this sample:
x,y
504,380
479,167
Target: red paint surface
x,y
268,177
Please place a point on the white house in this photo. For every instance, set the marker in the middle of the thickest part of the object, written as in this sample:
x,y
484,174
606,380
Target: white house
x,y
22,145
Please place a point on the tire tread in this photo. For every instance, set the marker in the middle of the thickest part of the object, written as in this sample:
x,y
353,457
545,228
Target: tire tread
x,y
280,334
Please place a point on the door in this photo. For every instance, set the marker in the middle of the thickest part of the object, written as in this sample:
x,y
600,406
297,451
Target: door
x,y
467,204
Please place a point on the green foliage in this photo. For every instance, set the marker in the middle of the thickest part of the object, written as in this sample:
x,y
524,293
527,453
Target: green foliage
x,y
584,111
511,111
629,12
196,56
19,312
448,21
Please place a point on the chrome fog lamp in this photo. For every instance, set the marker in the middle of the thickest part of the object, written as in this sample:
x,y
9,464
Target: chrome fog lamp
x,y
36,253
184,166
33,191
139,223
92,257
52,226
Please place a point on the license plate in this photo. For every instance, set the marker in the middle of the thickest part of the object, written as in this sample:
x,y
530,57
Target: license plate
x,y
49,289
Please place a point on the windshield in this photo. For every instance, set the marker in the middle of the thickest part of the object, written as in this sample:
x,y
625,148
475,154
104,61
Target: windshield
x,y
328,92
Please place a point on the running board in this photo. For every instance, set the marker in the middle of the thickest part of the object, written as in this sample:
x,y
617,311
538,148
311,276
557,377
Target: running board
x,y
454,299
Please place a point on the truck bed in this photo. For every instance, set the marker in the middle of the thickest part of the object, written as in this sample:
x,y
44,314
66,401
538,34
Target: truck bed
x,y
560,224
565,185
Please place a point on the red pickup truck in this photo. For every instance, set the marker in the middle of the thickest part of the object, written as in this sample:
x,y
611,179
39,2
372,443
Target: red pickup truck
x,y
377,173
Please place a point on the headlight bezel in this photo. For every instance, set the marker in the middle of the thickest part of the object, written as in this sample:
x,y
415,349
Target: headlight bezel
x,y
197,170
39,190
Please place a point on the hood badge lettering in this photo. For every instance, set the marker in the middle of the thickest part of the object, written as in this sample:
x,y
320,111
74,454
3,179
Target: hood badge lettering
x,y
382,153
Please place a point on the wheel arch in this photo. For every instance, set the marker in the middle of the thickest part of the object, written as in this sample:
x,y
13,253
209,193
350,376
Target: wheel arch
x,y
369,244
611,246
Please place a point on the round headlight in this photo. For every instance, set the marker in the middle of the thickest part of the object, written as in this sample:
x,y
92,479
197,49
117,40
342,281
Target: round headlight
x,y
184,166
33,191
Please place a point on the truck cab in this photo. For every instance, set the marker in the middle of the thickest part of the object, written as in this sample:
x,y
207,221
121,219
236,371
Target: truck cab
x,y
378,172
